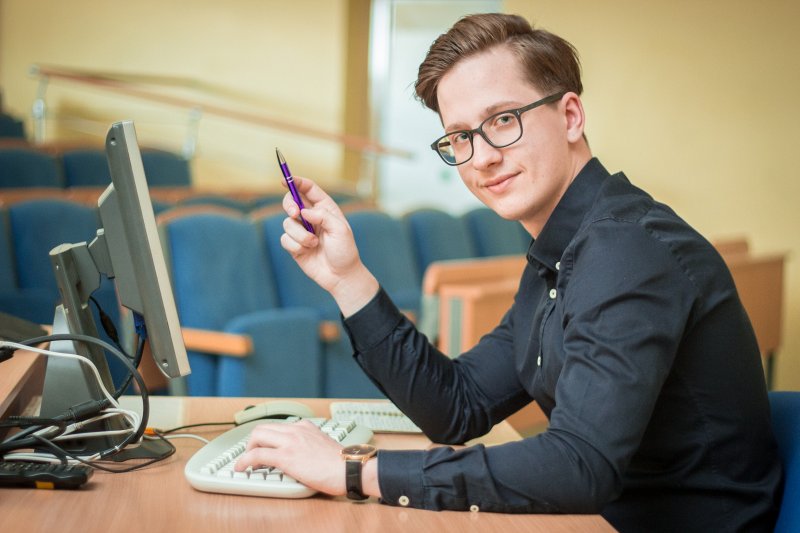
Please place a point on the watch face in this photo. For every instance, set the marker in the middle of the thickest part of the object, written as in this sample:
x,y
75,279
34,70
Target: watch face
x,y
359,450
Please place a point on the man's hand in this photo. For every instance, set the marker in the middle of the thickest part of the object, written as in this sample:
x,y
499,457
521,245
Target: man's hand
x,y
330,257
300,450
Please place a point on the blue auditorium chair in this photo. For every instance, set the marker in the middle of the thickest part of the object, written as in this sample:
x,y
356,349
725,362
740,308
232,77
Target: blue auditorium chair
x,y
159,206
85,167
13,300
266,200
8,278
222,282
34,228
343,198
342,377
11,127
494,235
437,236
785,407
385,248
165,169
28,167
217,200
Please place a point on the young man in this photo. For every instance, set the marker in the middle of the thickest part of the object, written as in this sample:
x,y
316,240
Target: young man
x,y
626,328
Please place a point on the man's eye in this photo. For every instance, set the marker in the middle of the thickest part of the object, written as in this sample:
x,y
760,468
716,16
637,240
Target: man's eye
x,y
503,120
460,137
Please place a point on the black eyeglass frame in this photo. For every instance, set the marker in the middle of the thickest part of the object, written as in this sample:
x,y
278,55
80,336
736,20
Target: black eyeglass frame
x,y
479,130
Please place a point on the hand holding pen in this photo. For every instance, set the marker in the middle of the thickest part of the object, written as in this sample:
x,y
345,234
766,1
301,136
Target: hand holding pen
x,y
332,262
287,175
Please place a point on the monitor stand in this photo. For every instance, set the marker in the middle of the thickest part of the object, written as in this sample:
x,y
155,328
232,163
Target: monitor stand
x,y
68,382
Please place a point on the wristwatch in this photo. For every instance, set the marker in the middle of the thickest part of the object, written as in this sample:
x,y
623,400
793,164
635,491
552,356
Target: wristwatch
x,y
355,456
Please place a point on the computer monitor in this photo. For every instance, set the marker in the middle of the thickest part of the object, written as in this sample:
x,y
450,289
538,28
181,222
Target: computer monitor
x,y
127,249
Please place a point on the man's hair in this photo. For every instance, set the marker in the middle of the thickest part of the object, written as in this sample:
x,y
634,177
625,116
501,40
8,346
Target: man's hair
x,y
550,63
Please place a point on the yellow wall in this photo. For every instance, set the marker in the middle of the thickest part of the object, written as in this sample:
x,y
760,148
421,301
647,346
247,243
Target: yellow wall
x,y
277,58
697,101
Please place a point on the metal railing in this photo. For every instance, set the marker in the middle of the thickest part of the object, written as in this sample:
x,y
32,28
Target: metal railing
x,y
134,86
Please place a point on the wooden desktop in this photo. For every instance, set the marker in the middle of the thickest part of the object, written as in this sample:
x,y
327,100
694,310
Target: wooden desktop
x,y
158,498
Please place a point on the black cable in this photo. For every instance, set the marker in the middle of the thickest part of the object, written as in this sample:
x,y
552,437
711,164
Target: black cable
x,y
108,325
135,436
76,413
101,466
31,421
59,453
111,331
136,361
173,430
30,425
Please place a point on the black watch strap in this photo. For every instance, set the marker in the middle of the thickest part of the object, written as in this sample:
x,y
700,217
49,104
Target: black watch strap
x,y
353,479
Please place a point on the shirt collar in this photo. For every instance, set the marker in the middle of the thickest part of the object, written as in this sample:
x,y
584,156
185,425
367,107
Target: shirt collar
x,y
560,228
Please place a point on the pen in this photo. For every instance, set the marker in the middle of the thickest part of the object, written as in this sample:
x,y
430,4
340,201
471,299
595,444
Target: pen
x,y
287,175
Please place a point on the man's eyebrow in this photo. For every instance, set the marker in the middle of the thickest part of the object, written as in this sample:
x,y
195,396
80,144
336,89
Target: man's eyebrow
x,y
498,107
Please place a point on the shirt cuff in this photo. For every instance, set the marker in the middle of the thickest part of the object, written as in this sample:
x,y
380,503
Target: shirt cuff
x,y
371,324
400,478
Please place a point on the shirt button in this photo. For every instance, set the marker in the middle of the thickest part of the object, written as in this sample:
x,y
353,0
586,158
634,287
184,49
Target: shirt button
x,y
552,294
558,265
474,508
403,500
539,361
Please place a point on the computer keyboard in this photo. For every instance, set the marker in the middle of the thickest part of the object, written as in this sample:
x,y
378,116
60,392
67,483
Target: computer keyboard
x,y
380,417
211,468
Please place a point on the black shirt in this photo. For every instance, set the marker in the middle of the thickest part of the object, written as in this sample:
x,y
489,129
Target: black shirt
x,y
628,332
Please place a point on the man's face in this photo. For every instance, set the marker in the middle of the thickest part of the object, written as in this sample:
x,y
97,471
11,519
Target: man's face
x,y
523,181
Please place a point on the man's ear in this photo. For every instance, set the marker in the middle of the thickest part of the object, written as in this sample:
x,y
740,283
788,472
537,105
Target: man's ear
x,y
575,117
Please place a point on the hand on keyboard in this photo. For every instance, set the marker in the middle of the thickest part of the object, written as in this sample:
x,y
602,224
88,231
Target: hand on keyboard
x,y
301,450
305,449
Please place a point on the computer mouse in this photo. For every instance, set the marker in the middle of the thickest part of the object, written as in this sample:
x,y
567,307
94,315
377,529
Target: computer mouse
x,y
273,409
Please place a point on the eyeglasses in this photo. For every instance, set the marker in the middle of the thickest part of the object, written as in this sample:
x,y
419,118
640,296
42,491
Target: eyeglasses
x,y
499,130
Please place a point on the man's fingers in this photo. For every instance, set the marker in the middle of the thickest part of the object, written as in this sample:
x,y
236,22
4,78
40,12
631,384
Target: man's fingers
x,y
256,458
310,190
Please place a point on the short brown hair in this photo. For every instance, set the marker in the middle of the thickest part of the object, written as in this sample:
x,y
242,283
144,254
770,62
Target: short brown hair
x,y
551,63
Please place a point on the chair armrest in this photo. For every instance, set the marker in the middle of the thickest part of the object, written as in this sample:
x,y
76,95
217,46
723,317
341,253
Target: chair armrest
x,y
759,282
478,269
217,342
469,311
237,344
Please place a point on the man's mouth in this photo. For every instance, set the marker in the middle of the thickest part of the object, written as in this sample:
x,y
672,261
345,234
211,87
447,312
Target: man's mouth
x,y
499,183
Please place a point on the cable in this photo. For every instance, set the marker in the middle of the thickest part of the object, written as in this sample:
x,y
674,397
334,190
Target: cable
x,y
136,360
61,456
58,451
172,430
185,436
134,436
111,331
108,324
80,358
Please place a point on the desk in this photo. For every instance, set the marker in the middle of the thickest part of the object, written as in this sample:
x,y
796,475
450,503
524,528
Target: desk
x,y
158,498
21,378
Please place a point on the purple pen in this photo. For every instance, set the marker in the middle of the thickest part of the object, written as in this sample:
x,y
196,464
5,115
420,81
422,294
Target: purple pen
x,y
287,175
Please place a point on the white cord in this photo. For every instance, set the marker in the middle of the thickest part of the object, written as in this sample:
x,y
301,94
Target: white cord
x,y
38,457
80,358
181,436
132,417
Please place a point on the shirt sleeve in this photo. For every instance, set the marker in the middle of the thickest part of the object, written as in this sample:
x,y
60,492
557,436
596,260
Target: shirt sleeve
x,y
471,393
